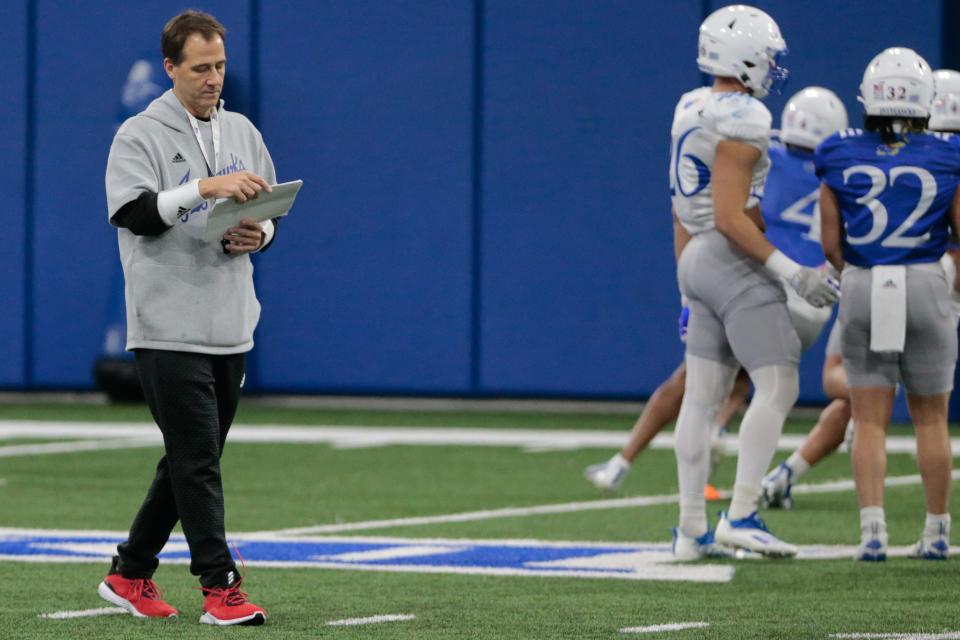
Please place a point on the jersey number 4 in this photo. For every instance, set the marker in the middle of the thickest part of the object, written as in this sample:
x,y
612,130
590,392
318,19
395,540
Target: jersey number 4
x,y
797,213
880,182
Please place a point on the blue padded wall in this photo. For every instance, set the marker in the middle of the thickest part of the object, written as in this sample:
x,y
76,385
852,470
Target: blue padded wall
x,y
84,52
13,132
368,287
813,28
578,285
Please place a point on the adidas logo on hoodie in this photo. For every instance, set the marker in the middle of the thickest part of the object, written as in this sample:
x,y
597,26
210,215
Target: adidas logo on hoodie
x,y
178,158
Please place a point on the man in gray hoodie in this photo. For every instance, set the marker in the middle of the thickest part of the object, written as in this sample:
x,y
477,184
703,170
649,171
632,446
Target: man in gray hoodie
x,y
191,310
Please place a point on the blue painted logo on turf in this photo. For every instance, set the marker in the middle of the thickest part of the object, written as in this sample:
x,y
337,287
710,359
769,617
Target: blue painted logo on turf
x,y
533,558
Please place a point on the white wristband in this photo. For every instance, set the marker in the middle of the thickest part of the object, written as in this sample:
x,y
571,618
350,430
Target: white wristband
x,y
268,231
177,201
782,265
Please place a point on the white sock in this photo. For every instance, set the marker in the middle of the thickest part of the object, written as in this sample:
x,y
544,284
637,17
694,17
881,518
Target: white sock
x,y
619,461
693,516
870,516
775,390
708,384
798,466
744,501
936,523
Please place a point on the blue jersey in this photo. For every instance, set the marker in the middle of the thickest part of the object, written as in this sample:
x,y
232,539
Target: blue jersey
x,y
894,199
791,205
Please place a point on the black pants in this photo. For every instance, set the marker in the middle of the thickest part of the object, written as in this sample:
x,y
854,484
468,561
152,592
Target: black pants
x,y
193,398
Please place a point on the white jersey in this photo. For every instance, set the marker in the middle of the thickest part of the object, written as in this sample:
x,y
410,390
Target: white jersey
x,y
702,119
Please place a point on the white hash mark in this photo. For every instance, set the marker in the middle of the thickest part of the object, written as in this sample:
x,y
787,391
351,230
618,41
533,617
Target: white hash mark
x,y
350,622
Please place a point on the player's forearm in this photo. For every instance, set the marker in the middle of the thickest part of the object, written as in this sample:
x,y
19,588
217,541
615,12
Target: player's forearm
x,y
830,229
744,233
955,216
732,175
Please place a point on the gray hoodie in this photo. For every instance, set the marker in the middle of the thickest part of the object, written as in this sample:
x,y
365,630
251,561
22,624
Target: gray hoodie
x,y
182,292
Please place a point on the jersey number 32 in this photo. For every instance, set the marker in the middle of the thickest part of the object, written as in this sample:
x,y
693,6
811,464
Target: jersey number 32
x,y
881,218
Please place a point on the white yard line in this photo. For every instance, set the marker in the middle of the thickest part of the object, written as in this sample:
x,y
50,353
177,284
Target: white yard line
x,y
75,446
567,507
352,622
472,516
364,436
660,628
948,635
86,613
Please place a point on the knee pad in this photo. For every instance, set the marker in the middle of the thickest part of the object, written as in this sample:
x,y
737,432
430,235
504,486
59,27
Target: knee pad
x,y
776,387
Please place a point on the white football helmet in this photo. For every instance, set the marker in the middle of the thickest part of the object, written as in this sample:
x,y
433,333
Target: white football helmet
x,y
898,82
744,43
810,116
945,110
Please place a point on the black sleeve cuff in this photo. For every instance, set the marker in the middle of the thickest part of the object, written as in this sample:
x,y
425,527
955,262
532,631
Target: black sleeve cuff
x,y
276,230
140,216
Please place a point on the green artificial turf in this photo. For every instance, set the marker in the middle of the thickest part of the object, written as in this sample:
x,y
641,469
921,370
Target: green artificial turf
x,y
274,486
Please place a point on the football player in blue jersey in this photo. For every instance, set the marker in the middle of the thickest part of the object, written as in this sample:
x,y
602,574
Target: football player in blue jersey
x,y
830,431
731,275
791,214
889,204
792,199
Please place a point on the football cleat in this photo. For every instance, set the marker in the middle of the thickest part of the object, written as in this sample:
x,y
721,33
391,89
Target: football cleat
x,y
751,533
933,547
775,488
139,596
225,606
686,548
608,475
873,544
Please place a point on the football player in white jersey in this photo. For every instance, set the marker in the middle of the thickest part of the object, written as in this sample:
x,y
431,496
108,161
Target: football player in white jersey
x,y
790,211
731,275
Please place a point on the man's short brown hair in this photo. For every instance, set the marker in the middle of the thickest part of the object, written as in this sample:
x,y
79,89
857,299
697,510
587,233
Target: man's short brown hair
x,y
180,27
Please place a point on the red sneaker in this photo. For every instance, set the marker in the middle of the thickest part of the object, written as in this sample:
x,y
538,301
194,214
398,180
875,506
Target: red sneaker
x,y
224,606
139,596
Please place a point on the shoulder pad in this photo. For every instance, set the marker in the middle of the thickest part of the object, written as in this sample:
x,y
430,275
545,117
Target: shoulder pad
x,y
690,98
741,117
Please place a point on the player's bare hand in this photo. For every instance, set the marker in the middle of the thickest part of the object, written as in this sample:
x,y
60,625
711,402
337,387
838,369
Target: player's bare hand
x,y
244,238
241,186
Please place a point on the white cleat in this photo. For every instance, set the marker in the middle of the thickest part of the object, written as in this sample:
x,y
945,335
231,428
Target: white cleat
x,y
775,488
608,475
933,547
873,544
686,549
751,533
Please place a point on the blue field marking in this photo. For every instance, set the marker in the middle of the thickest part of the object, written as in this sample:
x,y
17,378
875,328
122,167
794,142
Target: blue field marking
x,y
404,555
